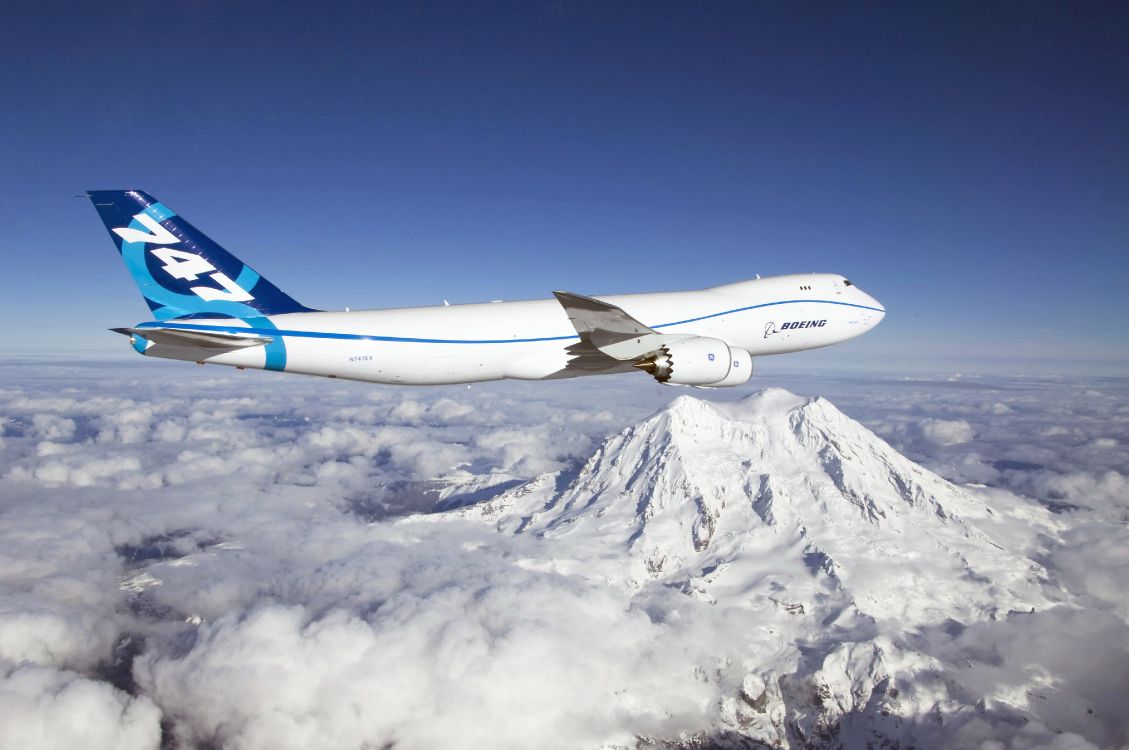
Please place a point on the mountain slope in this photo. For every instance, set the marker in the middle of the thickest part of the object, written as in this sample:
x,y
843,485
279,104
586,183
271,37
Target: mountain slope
x,y
840,562
779,493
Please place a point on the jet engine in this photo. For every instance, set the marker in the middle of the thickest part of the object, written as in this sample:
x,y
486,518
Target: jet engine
x,y
699,361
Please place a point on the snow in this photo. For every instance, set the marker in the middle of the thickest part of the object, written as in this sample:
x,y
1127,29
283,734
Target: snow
x,y
843,554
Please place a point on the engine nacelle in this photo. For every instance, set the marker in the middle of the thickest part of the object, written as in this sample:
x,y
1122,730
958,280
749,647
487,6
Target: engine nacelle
x,y
740,369
699,361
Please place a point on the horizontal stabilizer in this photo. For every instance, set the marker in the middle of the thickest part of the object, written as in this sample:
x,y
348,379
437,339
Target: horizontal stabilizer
x,y
611,330
198,339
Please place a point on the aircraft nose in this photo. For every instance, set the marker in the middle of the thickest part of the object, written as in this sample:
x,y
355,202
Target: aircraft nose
x,y
875,311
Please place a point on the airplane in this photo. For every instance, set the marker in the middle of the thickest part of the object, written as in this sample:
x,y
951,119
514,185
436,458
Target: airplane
x,y
209,307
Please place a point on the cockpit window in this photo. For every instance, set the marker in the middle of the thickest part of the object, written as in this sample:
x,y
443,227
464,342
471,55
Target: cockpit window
x,y
847,283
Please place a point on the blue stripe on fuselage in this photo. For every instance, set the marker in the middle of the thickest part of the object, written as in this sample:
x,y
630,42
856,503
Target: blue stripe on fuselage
x,y
770,304
409,340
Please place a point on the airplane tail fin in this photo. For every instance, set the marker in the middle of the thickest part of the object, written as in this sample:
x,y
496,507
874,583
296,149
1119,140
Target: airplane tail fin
x,y
179,270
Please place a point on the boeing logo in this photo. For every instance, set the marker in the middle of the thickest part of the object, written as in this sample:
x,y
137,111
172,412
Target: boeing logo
x,y
792,325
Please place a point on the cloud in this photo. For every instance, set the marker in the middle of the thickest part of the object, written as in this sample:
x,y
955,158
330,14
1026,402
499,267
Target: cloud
x,y
946,431
1092,561
1102,494
76,469
52,427
1079,689
48,708
499,660
221,524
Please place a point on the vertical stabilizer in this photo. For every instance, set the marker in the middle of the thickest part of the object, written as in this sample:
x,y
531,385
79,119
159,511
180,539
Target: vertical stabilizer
x,y
179,270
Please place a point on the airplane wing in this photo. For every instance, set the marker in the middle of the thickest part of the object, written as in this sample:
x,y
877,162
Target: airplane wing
x,y
611,330
198,339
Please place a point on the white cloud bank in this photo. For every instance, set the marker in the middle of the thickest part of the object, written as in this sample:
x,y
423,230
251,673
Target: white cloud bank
x,y
517,660
283,618
946,431
47,708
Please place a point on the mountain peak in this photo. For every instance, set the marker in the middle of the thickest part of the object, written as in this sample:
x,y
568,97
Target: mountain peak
x,y
772,401
697,490
770,406
686,411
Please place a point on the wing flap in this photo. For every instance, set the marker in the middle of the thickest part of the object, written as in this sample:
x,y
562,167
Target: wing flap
x,y
609,329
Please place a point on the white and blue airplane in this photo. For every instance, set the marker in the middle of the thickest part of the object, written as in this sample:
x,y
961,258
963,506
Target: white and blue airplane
x,y
209,307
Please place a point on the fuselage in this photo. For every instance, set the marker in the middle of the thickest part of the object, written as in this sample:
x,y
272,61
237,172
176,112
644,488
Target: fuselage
x,y
530,340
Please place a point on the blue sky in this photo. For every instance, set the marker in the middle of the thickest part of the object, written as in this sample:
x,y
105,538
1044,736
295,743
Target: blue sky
x,y
967,164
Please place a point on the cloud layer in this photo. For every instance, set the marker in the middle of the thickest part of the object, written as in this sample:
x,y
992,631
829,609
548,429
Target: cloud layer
x,y
219,551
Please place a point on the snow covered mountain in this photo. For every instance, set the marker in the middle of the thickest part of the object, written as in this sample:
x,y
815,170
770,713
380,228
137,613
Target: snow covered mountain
x,y
698,491
845,566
